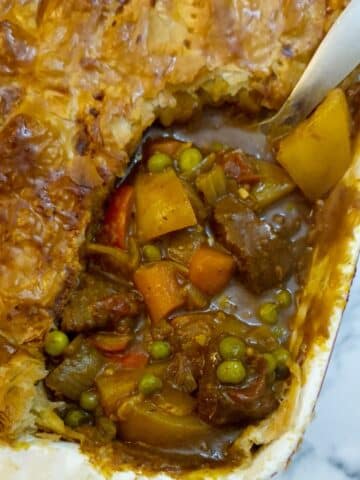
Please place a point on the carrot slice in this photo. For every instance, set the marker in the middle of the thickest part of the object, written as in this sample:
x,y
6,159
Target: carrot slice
x,y
158,284
210,269
118,214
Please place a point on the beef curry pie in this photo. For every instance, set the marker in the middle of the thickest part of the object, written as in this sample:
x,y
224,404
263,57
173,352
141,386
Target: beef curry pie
x,y
156,314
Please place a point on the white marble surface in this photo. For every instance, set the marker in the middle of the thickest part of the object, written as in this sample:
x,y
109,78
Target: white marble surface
x,y
331,447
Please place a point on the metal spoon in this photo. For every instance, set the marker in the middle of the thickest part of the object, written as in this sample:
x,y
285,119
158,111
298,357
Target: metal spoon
x,y
336,57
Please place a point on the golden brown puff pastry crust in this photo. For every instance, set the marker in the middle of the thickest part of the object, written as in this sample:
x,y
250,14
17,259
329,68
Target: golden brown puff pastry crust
x,y
80,80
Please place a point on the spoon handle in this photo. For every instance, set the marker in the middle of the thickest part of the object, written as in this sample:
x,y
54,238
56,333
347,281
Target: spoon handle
x,y
337,56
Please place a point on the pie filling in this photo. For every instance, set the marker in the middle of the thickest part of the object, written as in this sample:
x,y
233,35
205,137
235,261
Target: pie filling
x,y
178,333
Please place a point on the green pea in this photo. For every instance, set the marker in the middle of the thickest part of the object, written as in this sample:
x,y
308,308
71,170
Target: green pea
x,y
149,384
283,298
281,356
55,343
159,350
107,427
231,371
231,348
75,418
158,162
189,159
268,313
271,362
152,253
89,401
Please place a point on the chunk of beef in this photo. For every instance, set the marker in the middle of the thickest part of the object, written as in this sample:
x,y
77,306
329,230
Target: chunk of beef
x,y
98,303
181,372
236,165
192,336
193,332
264,257
114,307
221,404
